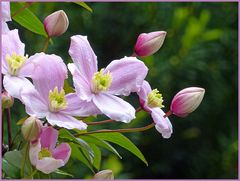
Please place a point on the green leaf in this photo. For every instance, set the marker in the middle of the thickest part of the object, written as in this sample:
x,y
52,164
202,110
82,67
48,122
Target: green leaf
x,y
21,121
60,172
122,141
67,88
14,158
101,143
76,153
97,156
84,5
10,170
27,19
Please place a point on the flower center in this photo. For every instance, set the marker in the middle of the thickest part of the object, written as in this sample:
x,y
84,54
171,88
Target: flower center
x,y
57,100
101,82
155,99
15,62
44,153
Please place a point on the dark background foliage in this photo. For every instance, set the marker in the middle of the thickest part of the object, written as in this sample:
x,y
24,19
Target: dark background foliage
x,y
200,50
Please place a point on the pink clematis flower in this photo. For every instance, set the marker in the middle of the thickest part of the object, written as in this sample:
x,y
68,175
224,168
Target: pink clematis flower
x,y
151,101
48,99
5,16
120,77
44,154
15,65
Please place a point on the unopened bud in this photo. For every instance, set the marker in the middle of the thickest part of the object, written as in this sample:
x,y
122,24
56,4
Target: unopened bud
x,y
149,43
56,23
186,101
104,174
31,129
7,100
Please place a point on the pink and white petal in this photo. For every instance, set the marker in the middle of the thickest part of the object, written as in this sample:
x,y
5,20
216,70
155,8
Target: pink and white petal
x,y
83,56
28,69
5,28
163,125
50,72
128,74
15,85
81,84
77,107
33,152
114,107
35,105
48,165
5,13
11,44
65,121
62,152
143,94
48,138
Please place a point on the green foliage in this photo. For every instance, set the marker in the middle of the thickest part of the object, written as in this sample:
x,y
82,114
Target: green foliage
x,y
122,141
84,5
27,19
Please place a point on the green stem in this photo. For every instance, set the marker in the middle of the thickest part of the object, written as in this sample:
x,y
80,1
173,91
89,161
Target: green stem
x,y
33,173
14,139
24,159
46,43
21,9
128,130
9,127
108,120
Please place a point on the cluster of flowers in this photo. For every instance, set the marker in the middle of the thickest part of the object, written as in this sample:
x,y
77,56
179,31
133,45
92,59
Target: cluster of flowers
x,y
96,92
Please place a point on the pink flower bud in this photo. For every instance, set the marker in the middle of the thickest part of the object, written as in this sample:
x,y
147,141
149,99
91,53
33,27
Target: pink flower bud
x,y
104,175
149,43
186,101
7,100
56,23
31,129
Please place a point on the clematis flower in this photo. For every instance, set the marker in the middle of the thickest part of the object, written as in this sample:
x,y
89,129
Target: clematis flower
x,y
151,101
15,64
48,99
5,16
120,77
44,154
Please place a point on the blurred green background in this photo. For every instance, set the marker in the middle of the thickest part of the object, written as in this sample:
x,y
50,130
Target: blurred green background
x,y
200,50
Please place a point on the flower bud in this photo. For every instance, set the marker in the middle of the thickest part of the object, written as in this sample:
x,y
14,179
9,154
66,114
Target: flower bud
x,y
7,100
186,101
149,43
56,23
104,174
31,129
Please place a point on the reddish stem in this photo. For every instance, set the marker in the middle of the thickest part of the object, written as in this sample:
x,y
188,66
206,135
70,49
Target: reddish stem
x,y
168,114
21,9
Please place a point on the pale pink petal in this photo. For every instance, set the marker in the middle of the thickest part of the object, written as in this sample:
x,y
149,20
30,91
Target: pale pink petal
x,y
5,13
28,69
127,75
33,152
81,84
83,56
62,152
163,125
5,28
48,165
48,138
143,94
114,107
11,43
35,105
65,121
14,85
50,72
77,107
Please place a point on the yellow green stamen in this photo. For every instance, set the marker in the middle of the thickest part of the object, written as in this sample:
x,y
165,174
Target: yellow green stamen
x,y
15,62
155,99
44,153
101,82
57,100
